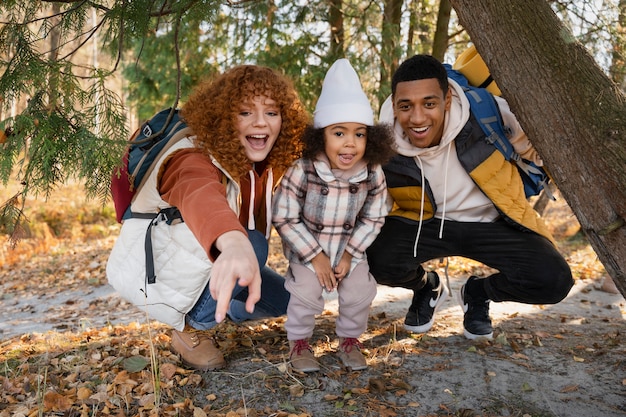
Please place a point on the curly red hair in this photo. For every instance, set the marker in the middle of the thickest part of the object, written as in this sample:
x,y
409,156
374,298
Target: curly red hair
x,y
211,112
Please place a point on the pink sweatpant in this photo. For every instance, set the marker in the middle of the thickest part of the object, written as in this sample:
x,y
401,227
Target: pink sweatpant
x,y
356,293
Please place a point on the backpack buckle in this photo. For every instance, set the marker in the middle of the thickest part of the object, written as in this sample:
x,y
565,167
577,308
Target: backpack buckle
x,y
147,130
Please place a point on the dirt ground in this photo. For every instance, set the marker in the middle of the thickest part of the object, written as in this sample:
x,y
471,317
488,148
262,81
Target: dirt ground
x,y
69,345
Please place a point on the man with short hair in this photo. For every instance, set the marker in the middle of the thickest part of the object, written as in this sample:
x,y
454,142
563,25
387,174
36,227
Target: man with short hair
x,y
456,195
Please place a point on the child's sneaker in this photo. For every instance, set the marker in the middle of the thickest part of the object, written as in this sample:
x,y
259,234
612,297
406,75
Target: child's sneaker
x,y
301,356
349,352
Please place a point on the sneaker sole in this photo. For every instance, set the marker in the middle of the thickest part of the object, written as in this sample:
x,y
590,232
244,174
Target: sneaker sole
x,y
469,335
426,327
472,336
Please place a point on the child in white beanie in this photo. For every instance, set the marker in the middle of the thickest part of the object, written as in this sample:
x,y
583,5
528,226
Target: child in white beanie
x,y
328,208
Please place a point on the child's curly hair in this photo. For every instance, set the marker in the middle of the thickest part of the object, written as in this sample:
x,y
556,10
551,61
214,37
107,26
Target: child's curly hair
x,y
379,148
211,112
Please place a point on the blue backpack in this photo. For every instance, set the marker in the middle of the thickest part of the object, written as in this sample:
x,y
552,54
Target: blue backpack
x,y
485,109
148,143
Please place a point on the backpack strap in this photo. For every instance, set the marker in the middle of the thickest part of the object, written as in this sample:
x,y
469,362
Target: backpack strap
x,y
487,113
182,131
167,215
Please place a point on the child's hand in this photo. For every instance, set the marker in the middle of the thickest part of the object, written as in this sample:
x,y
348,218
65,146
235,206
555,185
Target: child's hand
x,y
324,272
343,267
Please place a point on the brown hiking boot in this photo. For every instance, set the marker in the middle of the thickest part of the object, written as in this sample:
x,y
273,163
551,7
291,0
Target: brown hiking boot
x,y
301,356
349,352
196,350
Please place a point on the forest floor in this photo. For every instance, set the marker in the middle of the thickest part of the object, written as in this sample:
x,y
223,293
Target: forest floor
x,y
71,346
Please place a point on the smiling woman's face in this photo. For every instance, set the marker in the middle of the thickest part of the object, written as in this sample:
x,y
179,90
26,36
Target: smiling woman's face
x,y
258,123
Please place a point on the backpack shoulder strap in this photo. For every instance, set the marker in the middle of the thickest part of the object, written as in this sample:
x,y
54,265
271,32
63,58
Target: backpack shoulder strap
x,y
181,132
487,113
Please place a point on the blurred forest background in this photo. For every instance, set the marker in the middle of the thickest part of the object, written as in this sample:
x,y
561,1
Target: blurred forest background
x,y
77,76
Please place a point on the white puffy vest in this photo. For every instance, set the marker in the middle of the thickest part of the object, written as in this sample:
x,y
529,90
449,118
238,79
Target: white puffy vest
x,y
182,266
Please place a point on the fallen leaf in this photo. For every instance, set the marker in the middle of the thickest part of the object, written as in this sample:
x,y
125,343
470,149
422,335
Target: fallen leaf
x,y
147,399
376,385
519,356
526,387
168,370
501,339
296,390
56,402
100,396
83,393
515,346
135,363
199,412
569,388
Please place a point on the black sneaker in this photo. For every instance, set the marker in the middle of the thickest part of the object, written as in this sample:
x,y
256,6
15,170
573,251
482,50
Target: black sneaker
x,y
476,321
426,301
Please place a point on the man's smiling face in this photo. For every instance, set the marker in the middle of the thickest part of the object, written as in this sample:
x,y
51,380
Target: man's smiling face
x,y
420,107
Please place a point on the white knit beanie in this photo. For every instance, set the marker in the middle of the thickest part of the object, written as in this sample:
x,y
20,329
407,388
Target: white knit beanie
x,y
342,99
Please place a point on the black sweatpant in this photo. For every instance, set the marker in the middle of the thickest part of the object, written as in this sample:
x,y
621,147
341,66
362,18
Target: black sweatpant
x,y
531,270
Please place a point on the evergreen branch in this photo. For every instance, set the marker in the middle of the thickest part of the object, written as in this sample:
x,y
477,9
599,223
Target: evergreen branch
x,y
90,33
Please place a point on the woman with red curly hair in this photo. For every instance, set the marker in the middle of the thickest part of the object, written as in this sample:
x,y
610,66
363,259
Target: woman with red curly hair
x,y
243,130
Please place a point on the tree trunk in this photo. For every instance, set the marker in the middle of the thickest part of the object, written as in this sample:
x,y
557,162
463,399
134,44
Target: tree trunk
x,y
573,113
335,20
440,40
390,50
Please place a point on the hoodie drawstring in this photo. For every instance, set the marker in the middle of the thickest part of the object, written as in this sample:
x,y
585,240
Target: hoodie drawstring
x,y
445,191
269,187
421,219
251,222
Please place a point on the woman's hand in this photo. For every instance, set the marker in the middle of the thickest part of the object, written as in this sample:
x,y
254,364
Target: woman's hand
x,y
236,264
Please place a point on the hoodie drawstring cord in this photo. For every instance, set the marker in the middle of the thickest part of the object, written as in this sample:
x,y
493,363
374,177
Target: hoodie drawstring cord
x,y
445,191
421,219
251,222
269,187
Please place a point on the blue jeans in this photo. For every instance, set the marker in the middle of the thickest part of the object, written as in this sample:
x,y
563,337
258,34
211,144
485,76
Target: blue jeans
x,y
274,297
